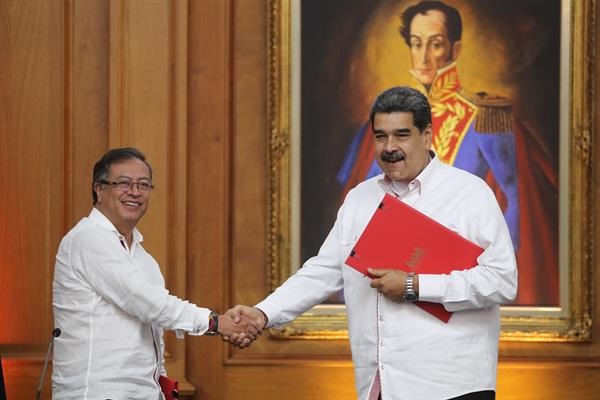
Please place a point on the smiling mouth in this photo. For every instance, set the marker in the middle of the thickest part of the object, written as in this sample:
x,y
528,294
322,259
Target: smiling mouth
x,y
132,203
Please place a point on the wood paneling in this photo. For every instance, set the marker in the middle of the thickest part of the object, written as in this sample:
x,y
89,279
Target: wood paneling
x,y
316,380
185,81
548,381
86,109
31,178
209,182
22,378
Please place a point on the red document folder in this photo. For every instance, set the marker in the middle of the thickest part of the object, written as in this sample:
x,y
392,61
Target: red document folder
x,y
169,387
400,237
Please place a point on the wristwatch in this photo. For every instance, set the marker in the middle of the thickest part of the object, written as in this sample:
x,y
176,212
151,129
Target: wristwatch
x,y
213,324
410,295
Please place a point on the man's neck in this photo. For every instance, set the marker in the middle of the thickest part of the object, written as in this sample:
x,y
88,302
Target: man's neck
x,y
125,230
127,234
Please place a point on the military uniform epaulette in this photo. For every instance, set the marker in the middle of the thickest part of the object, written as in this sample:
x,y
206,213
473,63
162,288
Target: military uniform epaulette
x,y
494,113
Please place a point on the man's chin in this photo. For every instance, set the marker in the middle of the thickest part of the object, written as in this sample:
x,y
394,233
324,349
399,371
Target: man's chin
x,y
395,175
425,80
134,215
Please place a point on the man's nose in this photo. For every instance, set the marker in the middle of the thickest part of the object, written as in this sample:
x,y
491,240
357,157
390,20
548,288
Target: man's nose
x,y
425,55
135,188
391,144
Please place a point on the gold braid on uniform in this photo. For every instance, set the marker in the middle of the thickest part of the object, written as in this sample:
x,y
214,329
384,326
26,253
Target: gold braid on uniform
x,y
494,113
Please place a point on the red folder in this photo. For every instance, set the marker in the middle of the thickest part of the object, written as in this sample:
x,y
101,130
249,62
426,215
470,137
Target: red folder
x,y
400,237
169,387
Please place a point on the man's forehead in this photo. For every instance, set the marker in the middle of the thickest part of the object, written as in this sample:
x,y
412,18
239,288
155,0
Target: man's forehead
x,y
432,23
129,165
394,120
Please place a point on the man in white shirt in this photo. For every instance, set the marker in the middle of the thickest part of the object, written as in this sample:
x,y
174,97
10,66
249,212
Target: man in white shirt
x,y
399,351
109,296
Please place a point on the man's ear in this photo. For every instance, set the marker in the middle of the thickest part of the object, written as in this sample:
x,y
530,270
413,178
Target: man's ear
x,y
98,190
428,132
456,49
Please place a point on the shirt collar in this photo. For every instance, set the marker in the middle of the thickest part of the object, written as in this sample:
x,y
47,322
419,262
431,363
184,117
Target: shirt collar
x,y
421,182
427,176
101,219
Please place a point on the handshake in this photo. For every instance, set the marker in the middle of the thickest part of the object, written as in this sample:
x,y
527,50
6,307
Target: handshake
x,y
241,325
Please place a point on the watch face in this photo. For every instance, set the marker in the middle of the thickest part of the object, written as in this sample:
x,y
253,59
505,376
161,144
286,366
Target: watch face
x,y
410,297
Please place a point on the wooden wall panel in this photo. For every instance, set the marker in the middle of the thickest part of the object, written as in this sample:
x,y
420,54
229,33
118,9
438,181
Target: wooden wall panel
x,y
185,81
314,380
249,153
548,380
86,108
31,180
209,182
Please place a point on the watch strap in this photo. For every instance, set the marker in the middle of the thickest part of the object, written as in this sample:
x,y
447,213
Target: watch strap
x,y
410,293
213,324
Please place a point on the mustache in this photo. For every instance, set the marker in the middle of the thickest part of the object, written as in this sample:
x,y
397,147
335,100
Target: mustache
x,y
392,156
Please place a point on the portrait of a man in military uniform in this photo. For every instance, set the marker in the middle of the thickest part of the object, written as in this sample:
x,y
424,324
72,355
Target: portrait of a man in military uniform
x,y
474,128
470,131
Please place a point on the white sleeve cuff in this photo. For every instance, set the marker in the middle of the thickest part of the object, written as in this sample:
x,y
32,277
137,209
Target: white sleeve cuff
x,y
432,287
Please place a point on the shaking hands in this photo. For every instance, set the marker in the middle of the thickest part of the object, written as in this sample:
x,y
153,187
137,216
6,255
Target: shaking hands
x,y
244,325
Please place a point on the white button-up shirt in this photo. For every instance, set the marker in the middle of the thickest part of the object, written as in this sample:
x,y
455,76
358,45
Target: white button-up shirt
x,y
111,306
418,356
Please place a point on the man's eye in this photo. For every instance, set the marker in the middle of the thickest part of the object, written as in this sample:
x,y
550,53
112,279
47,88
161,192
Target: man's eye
x,y
144,185
124,184
437,45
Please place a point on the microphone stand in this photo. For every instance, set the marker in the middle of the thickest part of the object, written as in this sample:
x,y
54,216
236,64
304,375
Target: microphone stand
x,y
55,334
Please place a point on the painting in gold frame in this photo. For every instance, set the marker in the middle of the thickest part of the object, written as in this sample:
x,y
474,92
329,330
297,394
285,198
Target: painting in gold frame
x,y
570,318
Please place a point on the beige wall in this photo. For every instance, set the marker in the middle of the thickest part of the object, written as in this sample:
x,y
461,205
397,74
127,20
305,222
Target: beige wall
x,y
186,82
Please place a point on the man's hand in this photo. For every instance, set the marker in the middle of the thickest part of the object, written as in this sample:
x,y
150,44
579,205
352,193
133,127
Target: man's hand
x,y
390,282
247,315
243,330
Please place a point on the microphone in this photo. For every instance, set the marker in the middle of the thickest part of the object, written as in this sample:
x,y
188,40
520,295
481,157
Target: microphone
x,y
55,333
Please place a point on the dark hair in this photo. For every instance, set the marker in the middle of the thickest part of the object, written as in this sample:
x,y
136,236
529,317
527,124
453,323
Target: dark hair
x,y
451,14
114,156
403,99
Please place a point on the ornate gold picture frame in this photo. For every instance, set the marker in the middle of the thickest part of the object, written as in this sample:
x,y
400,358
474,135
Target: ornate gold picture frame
x,y
569,321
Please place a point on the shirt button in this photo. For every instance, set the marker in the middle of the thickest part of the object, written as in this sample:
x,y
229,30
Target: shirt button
x,y
381,318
